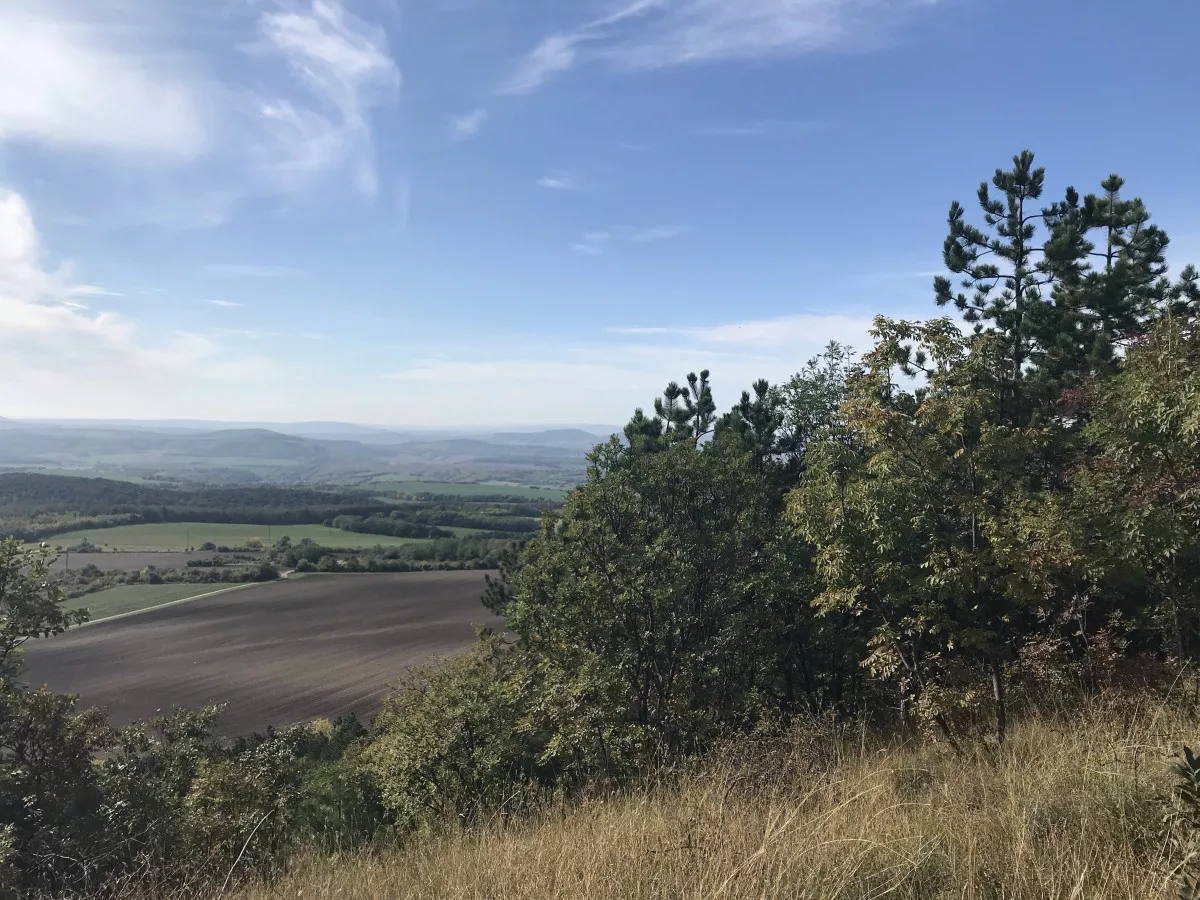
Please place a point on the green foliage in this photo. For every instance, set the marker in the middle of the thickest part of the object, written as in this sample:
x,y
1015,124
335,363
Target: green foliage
x,y
450,743
911,516
31,604
1060,305
1136,503
681,414
1182,823
647,614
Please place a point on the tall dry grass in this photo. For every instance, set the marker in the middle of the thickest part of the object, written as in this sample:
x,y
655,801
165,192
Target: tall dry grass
x,y
1070,811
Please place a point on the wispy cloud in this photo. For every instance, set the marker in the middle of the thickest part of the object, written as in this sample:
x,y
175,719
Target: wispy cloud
x,y
241,270
128,80
557,183
784,331
225,304
654,34
92,290
555,54
649,235
468,124
346,66
594,243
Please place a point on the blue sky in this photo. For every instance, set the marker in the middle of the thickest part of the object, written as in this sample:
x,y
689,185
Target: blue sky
x,y
452,212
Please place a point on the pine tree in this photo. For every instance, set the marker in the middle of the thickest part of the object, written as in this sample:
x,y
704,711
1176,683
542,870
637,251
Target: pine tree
x,y
753,424
681,414
1062,306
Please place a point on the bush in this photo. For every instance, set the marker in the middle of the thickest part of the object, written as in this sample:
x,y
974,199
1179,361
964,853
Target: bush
x,y
450,747
266,572
208,546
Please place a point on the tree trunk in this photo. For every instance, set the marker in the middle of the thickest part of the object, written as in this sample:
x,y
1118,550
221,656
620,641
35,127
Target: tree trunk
x,y
998,695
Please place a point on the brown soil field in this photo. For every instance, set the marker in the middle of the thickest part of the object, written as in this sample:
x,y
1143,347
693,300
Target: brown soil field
x,y
286,652
128,562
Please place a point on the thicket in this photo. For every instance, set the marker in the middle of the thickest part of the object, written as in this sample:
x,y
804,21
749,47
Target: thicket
x,y
950,532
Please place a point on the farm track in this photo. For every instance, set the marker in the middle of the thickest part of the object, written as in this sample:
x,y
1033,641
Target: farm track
x,y
282,653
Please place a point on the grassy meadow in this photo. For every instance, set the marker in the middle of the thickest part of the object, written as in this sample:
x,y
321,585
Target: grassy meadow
x,y
162,536
1072,810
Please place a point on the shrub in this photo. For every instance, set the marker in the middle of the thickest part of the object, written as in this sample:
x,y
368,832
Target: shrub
x,y
450,745
266,572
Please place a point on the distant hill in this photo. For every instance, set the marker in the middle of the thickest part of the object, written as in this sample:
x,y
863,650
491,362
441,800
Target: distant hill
x,y
565,438
332,453
177,426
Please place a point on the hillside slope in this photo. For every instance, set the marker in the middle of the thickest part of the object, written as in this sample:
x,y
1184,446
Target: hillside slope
x,y
1072,811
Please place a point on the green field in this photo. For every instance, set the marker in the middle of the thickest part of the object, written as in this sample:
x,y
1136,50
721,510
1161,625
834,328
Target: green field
x,y
453,489
182,535
135,597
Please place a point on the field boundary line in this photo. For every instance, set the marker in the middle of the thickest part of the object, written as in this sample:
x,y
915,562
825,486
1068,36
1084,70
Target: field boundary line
x,y
138,612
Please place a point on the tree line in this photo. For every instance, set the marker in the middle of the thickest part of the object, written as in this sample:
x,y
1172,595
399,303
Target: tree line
x,y
35,507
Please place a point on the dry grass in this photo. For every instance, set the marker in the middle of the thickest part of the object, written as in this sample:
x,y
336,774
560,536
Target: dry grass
x,y
1071,812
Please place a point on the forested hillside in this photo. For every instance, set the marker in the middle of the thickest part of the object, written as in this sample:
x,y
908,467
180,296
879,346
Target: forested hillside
x,y
893,605
35,506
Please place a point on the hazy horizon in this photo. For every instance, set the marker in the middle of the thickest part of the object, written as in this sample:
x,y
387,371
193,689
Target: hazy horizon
x,y
367,427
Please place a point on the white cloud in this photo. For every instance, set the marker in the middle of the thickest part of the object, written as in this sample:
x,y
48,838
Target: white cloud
x,y
61,84
595,243
653,34
55,355
468,124
128,78
224,304
556,183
